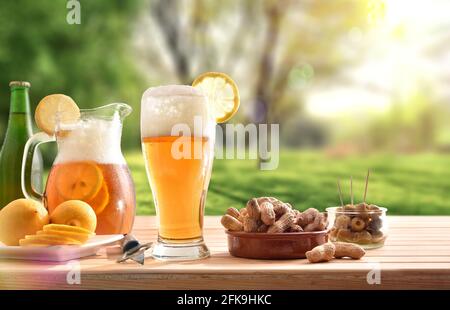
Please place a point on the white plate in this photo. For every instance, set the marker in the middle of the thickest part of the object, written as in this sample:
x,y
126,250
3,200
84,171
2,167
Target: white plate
x,y
58,253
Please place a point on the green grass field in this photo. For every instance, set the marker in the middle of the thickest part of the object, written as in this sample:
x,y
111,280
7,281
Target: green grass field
x,y
405,184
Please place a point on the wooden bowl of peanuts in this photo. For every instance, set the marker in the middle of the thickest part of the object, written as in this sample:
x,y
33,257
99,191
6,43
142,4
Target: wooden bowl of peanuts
x,y
268,228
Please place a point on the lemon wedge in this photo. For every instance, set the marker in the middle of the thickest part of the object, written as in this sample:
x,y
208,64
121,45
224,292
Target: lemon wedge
x,y
222,94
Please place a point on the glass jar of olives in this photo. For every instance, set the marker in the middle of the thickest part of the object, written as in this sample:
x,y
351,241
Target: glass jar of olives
x,y
363,224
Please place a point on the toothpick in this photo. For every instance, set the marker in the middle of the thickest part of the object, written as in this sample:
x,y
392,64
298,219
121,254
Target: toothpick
x,y
340,193
351,189
367,184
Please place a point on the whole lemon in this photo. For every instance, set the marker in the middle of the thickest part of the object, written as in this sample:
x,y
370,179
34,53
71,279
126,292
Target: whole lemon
x,y
19,218
75,213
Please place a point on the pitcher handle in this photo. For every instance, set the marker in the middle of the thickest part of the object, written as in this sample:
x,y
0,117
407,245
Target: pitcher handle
x,y
27,162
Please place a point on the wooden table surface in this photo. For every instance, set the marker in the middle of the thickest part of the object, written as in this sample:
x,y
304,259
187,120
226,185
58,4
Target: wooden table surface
x,y
416,256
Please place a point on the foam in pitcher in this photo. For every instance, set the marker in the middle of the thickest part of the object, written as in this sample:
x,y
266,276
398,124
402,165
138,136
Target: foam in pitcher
x,y
165,106
91,140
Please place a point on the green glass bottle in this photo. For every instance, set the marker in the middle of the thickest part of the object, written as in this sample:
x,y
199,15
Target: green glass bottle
x,y
17,133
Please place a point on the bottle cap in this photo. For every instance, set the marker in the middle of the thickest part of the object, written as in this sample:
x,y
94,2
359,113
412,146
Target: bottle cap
x,y
19,84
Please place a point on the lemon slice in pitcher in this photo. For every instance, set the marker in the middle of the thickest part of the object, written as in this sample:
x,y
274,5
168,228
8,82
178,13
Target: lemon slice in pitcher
x,y
79,180
101,200
53,109
222,94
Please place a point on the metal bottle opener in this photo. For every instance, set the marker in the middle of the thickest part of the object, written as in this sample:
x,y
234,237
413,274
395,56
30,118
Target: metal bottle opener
x,y
133,250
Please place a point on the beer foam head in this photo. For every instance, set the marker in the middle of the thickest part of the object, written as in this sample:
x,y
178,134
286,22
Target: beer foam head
x,y
165,110
91,140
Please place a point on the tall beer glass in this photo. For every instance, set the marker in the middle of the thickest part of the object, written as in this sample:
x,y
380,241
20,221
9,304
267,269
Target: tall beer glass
x,y
178,144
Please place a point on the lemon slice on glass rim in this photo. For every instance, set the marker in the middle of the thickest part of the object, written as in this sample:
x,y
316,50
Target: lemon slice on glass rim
x,y
222,93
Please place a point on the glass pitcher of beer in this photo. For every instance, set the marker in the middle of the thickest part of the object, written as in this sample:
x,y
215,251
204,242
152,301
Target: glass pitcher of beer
x,y
89,166
178,137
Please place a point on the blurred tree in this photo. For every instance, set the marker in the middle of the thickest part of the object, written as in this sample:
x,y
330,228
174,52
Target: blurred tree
x,y
90,62
202,35
166,14
305,41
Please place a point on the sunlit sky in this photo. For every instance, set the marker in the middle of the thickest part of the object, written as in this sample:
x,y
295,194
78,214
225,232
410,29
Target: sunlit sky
x,y
408,46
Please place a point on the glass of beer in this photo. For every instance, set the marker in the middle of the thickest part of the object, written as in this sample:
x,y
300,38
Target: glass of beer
x,y
89,166
178,135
